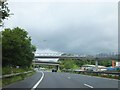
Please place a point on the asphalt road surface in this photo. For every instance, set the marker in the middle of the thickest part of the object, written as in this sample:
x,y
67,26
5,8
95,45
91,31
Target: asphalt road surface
x,y
64,80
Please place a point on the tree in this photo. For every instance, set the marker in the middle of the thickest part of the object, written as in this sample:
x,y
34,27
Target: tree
x,y
106,63
4,11
68,64
17,49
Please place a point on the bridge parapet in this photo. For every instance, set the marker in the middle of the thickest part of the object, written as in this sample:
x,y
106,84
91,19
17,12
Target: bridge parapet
x,y
48,54
59,55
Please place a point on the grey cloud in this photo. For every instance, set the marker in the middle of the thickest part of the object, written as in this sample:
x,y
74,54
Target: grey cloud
x,y
68,27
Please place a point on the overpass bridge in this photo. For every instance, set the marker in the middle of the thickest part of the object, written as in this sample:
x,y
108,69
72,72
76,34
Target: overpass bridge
x,y
67,56
60,57
38,62
53,56
45,63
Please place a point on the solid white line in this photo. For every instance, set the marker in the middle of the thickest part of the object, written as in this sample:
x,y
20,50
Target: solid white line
x,y
88,85
38,81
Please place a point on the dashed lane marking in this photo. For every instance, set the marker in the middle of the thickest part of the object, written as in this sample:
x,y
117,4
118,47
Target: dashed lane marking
x,y
69,78
88,86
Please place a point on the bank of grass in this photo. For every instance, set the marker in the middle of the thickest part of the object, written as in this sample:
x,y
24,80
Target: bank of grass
x,y
10,80
102,75
97,75
0,78
8,70
0,83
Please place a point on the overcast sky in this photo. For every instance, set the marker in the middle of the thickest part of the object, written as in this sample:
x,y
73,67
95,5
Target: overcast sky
x,y
70,27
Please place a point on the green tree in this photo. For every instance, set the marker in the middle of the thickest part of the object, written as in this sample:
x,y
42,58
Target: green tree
x,y
68,64
106,63
17,49
4,11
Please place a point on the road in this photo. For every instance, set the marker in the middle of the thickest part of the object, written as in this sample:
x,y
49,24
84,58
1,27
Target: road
x,y
64,80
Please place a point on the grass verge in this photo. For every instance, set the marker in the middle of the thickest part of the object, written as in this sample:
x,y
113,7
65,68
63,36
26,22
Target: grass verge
x,y
0,83
8,70
103,75
117,77
10,80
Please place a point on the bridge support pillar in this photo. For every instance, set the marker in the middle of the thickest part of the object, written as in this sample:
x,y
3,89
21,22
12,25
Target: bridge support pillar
x,y
57,67
96,65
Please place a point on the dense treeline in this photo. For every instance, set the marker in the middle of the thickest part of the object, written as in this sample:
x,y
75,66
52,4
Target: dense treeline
x,y
77,63
17,49
68,64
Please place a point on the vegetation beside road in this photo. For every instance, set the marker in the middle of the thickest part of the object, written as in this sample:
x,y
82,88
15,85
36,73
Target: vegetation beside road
x,y
69,65
7,70
77,63
104,75
12,79
17,49
17,54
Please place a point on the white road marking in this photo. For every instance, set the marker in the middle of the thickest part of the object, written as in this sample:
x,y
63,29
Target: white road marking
x,y
69,78
38,81
88,86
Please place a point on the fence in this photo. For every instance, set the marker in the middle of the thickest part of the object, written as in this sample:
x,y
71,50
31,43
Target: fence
x,y
16,74
98,73
108,74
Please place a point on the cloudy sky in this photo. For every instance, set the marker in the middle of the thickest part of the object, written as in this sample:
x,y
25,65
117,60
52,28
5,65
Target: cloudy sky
x,y
68,26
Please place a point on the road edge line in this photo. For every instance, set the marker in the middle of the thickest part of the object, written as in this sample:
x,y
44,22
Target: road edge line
x,y
38,81
88,85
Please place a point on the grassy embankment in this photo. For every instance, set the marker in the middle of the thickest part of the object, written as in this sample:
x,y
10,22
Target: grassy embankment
x,y
104,76
99,75
12,79
0,75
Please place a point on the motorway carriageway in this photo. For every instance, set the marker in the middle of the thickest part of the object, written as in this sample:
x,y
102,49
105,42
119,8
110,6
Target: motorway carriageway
x,y
63,80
